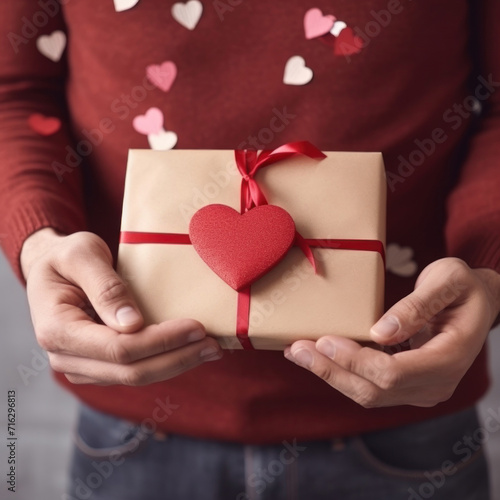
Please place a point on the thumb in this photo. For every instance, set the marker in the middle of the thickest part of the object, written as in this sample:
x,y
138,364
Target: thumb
x,y
93,272
113,301
408,316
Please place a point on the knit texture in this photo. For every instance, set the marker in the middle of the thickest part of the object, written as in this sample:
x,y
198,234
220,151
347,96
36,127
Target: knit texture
x,y
409,82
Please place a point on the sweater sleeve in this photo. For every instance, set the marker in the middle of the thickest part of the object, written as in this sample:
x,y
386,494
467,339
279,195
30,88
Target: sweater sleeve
x,y
473,225
33,193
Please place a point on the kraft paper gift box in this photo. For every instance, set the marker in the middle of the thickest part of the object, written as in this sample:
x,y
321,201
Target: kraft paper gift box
x,y
340,197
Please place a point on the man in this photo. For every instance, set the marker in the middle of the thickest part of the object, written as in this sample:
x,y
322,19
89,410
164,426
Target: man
x,y
396,77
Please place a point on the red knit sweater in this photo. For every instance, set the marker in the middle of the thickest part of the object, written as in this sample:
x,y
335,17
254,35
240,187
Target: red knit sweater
x,y
411,86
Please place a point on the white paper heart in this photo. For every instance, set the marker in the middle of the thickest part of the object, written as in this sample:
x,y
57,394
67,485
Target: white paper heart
x,y
399,260
338,26
121,5
52,46
187,14
163,140
296,72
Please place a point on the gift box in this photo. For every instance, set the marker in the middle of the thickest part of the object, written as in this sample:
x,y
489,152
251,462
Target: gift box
x,y
201,229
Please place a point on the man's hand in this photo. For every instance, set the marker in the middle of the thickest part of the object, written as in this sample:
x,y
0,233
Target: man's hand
x,y
70,277
446,319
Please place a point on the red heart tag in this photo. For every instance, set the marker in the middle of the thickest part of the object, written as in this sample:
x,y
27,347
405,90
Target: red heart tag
x,y
241,248
44,125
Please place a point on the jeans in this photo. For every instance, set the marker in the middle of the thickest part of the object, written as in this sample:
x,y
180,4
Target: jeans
x,y
440,459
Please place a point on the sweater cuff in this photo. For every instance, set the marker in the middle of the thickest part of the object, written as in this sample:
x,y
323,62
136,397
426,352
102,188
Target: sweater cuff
x,y
32,215
479,246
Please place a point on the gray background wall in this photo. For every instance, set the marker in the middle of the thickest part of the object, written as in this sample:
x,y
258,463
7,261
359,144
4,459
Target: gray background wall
x,y
46,413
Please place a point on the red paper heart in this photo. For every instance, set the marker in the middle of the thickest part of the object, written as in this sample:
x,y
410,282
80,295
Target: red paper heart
x,y
44,125
241,248
347,43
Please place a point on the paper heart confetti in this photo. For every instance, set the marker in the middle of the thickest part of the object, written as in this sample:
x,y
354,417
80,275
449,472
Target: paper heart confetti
x,y
338,26
296,72
399,260
163,140
149,123
316,24
347,43
44,125
187,14
52,46
241,248
121,5
162,75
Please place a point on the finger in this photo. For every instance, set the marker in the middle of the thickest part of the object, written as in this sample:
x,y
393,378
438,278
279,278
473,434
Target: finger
x,y
387,371
75,334
88,265
422,376
424,392
374,365
80,379
146,371
357,388
439,289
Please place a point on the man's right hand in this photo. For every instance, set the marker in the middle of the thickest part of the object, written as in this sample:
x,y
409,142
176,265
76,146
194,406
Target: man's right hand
x,y
70,277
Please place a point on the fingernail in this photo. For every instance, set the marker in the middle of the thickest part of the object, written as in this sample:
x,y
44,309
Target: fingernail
x,y
386,327
303,357
327,347
210,354
195,335
127,316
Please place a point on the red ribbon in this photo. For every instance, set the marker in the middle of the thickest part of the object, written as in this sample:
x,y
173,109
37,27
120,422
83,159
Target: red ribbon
x,y
249,162
243,307
243,319
183,239
165,238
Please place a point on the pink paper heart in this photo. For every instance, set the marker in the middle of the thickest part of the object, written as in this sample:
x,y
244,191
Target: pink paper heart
x,y
149,123
162,75
316,24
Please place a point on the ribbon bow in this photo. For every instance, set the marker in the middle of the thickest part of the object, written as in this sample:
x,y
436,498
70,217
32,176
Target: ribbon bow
x,y
249,162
